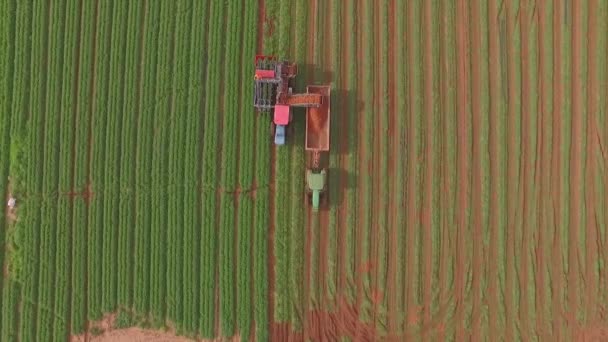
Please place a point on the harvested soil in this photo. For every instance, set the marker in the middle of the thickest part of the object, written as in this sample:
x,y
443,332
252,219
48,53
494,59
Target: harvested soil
x,y
132,335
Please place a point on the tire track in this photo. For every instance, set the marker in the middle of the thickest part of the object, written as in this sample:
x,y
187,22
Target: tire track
x,y
513,182
394,148
593,95
307,324
412,211
427,252
495,167
447,91
477,205
463,167
323,12
378,197
558,101
362,154
347,111
544,150
576,153
525,165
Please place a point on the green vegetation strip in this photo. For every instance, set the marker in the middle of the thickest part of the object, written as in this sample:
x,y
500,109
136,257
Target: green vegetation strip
x,y
192,160
143,161
50,172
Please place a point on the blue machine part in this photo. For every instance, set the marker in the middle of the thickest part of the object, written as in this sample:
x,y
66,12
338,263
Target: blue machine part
x,y
279,135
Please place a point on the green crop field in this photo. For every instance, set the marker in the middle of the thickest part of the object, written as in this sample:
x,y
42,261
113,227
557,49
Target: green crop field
x,y
129,141
466,193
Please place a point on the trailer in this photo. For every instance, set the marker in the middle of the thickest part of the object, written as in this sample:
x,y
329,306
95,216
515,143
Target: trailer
x,y
317,142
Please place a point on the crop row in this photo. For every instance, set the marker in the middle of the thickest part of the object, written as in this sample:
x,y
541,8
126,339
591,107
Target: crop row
x,y
383,199
245,221
338,111
30,214
278,44
5,105
229,167
261,208
260,247
158,201
99,117
11,291
45,317
296,196
111,198
210,160
192,220
175,225
141,297
399,176
351,197
81,169
414,150
127,171
367,155
64,215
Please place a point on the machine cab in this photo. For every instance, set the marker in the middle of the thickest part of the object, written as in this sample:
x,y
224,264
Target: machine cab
x,y
279,135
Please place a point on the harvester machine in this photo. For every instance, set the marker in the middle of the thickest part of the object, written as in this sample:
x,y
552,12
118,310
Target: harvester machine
x,y
317,143
266,83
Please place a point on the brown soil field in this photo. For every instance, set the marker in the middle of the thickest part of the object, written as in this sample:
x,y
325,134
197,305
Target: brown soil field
x,y
470,198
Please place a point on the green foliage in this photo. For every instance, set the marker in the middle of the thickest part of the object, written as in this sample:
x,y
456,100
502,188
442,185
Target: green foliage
x,y
96,331
117,157
123,320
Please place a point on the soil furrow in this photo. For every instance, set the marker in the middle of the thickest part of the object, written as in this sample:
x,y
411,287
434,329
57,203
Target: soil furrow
x,y
556,174
362,154
307,325
393,147
447,95
478,150
427,257
495,99
576,153
463,167
591,249
376,167
544,145
412,214
526,165
513,159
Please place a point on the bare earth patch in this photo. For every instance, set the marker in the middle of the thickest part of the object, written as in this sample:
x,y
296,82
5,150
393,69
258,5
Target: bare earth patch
x,y
11,213
133,335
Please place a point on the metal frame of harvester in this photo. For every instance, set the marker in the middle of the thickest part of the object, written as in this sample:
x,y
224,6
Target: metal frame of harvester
x,y
273,91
